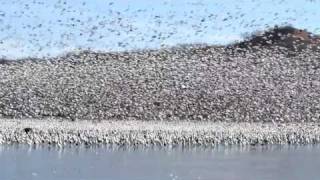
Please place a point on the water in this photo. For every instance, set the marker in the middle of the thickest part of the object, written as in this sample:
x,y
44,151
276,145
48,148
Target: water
x,y
97,163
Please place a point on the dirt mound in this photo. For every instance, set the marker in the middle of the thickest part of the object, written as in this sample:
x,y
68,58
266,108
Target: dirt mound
x,y
286,37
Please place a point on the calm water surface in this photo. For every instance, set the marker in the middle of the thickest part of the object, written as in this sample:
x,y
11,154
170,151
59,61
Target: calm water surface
x,y
100,163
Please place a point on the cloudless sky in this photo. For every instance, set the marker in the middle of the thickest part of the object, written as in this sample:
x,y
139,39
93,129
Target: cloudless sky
x,y
51,27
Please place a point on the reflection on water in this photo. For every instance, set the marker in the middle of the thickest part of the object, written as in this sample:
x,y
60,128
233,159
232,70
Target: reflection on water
x,y
267,162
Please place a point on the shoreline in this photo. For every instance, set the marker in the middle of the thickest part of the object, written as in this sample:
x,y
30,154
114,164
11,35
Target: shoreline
x,y
154,133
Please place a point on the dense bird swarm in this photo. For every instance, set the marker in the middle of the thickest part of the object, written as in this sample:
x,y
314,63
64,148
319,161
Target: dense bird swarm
x,y
182,83
155,133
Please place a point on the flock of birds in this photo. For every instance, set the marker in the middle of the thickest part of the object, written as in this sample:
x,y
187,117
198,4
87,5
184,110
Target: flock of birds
x,y
41,28
205,83
199,82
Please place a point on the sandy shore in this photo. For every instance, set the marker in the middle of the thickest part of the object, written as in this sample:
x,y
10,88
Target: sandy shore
x,y
150,133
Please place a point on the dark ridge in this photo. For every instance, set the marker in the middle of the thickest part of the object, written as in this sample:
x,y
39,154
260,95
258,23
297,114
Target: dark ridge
x,y
288,37
4,61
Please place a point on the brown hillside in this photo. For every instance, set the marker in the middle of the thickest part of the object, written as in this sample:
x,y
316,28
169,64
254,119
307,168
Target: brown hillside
x,y
286,36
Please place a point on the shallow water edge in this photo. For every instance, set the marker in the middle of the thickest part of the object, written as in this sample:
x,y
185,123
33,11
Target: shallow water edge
x,y
288,162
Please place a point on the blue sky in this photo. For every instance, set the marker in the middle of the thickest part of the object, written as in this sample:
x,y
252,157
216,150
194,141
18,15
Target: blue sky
x,y
51,27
